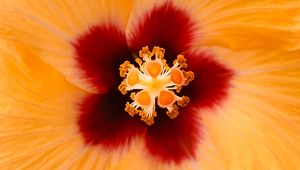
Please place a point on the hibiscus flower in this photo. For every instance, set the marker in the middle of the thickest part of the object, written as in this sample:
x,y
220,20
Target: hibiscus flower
x,y
149,84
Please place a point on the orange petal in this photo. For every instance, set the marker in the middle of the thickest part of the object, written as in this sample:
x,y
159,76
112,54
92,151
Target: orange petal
x,y
248,24
37,112
267,84
50,27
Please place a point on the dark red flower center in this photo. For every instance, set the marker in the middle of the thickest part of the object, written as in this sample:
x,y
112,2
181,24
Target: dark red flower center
x,y
103,120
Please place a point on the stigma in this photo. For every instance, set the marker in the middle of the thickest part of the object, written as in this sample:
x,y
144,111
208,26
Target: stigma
x,y
154,84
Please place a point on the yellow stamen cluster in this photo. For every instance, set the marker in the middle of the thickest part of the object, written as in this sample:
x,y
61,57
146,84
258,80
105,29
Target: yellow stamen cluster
x,y
156,83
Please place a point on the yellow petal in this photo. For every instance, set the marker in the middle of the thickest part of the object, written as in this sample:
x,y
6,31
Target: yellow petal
x,y
243,24
37,112
38,119
258,126
48,28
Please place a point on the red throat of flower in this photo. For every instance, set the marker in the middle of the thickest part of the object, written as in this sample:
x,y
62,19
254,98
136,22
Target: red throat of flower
x,y
154,83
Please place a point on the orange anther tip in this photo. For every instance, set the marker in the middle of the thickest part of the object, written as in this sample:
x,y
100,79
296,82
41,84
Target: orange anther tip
x,y
143,98
177,76
165,98
154,68
132,77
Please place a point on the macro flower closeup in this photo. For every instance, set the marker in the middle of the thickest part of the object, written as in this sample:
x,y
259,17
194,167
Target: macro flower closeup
x,y
150,84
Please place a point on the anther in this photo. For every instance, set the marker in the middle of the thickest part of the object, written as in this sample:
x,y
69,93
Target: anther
x,y
124,68
181,61
159,52
122,88
129,109
173,113
145,54
189,76
139,61
183,101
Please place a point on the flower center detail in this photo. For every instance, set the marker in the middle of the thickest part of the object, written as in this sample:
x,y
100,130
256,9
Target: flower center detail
x,y
154,82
